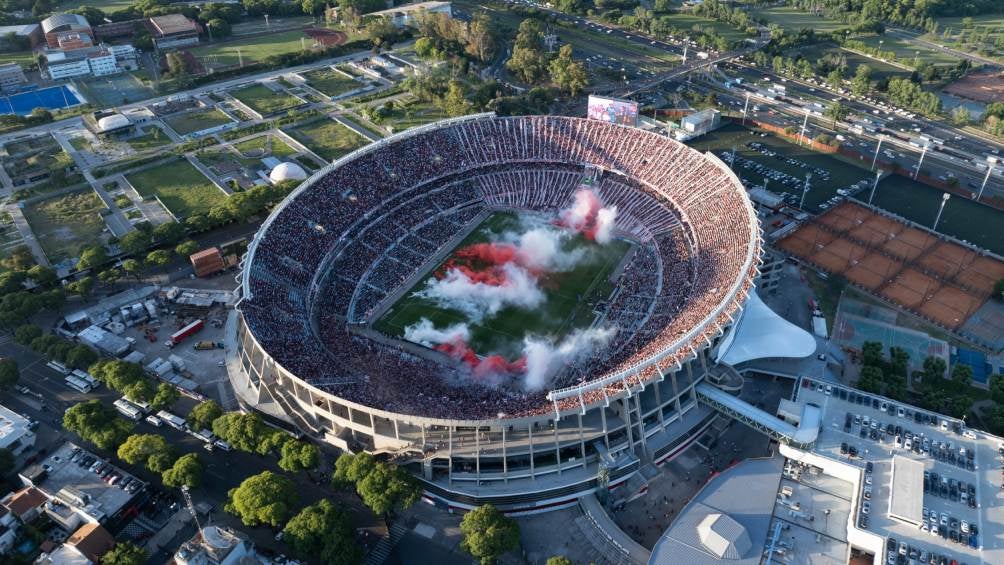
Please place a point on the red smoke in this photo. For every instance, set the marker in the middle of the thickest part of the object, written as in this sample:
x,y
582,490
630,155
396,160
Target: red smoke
x,y
490,365
581,215
485,262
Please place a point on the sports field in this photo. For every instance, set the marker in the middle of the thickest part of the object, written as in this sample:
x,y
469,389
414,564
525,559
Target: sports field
x,y
331,82
906,51
264,100
23,58
198,120
794,19
65,224
180,186
152,139
569,297
327,138
251,48
879,69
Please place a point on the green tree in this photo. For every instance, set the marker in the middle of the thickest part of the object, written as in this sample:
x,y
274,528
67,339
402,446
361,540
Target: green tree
x,y
43,276
899,361
7,463
92,257
383,487
9,373
488,534
997,388
80,357
135,242
165,397
322,532
186,248
201,417
139,391
870,379
296,455
27,333
862,80
140,449
125,553
265,498
381,32
158,258
82,286
962,377
528,60
558,560
132,266
247,432
186,471
934,368
455,102
871,353
96,423
836,112
110,276
570,75
961,116
168,233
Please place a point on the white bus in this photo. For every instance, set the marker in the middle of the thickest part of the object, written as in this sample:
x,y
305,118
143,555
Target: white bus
x,y
78,385
127,409
85,376
59,367
175,422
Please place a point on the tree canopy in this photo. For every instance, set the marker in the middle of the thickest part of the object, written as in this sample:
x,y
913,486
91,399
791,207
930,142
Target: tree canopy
x,y
150,450
97,424
201,417
9,373
488,534
265,498
247,432
296,455
186,471
322,532
383,487
125,553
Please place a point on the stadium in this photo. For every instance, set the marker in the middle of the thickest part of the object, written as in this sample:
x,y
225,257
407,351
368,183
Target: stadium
x,y
517,309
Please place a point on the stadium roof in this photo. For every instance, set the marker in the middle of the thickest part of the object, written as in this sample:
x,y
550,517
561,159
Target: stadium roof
x,y
727,521
761,333
74,21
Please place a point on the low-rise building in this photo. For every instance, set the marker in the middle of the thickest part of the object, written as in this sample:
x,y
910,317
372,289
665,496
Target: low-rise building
x,y
216,545
15,434
25,504
25,36
57,24
84,547
173,30
93,61
11,76
8,530
408,14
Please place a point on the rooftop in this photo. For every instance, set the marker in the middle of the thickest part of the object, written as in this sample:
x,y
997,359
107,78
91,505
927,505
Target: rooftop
x,y
12,426
173,23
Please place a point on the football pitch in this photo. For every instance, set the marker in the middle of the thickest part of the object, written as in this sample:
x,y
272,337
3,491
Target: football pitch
x,y
569,296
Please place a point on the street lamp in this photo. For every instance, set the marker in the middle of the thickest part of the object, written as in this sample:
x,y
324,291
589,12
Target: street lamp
x,y
991,161
921,162
944,200
881,138
878,175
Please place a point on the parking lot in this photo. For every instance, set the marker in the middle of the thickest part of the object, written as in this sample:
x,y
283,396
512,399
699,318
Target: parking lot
x,y
962,519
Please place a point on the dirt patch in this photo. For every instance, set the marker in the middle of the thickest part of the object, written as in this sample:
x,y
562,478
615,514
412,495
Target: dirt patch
x,y
326,37
982,87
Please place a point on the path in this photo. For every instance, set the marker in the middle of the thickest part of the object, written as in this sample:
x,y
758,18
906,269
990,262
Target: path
x,y
356,127
117,223
21,223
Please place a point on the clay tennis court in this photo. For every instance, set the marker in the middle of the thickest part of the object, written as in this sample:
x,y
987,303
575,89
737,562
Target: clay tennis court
x,y
935,278
325,37
983,87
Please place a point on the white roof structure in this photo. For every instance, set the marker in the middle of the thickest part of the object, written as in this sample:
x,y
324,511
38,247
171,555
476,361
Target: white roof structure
x,y
113,122
761,333
287,171
723,536
907,481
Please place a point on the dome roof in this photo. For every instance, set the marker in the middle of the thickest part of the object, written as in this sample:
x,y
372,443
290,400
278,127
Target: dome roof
x,y
723,536
114,121
287,171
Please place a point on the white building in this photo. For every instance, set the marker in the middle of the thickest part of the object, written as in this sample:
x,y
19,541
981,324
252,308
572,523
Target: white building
x,y
90,61
216,545
14,432
406,15
698,123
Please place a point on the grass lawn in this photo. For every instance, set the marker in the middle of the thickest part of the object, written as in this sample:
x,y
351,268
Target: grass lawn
x,y
251,48
181,187
879,69
331,82
24,58
80,143
907,51
198,120
687,21
65,224
149,140
410,114
252,152
993,22
327,138
569,297
794,19
265,101
103,5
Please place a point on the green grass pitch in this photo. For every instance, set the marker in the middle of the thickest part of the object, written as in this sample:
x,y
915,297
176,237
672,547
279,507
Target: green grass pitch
x,y
569,298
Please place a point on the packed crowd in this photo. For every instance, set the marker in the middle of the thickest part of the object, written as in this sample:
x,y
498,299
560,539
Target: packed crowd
x,y
340,246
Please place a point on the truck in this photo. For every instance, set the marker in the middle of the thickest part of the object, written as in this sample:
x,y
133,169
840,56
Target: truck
x,y
176,422
180,335
207,345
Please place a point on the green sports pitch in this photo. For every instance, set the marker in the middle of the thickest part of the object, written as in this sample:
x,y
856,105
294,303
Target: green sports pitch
x,y
569,297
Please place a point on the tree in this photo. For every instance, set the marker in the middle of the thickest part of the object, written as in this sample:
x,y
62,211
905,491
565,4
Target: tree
x,y
961,116
297,455
871,353
186,471
91,257
934,368
168,233
313,7
381,32
528,60
383,487
125,553
454,101
322,532
870,379
132,266
247,432
80,357
265,498
9,373
140,449
82,286
899,361
480,36
488,533
218,27
135,242
962,377
837,112
201,417
186,248
27,333
861,82
110,276
570,75
43,276
558,560
158,258
97,424
997,388
165,397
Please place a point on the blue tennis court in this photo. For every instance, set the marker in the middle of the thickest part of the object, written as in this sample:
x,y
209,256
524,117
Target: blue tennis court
x,y
51,98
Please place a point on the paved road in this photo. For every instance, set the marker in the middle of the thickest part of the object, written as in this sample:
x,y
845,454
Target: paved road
x,y
915,37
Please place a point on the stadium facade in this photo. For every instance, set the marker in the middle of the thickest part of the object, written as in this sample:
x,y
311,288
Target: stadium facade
x,y
304,351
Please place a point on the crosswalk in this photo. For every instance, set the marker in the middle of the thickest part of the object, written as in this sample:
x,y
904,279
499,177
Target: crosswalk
x,y
379,554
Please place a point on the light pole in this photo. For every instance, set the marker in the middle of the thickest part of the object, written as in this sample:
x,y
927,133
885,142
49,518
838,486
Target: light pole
x,y
944,200
746,107
805,190
805,122
877,148
878,175
921,162
991,161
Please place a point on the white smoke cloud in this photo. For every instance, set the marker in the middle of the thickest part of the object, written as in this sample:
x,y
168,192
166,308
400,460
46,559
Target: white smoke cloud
x,y
584,205
605,219
543,248
425,333
476,299
544,359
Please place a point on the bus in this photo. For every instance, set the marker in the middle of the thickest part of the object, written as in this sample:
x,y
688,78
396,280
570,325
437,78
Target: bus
x,y
175,422
78,385
127,409
58,367
85,376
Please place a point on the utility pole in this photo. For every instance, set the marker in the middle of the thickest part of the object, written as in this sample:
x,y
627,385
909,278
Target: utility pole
x,y
746,107
944,200
240,58
991,161
805,122
732,158
685,47
805,190
878,175
877,148
921,162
